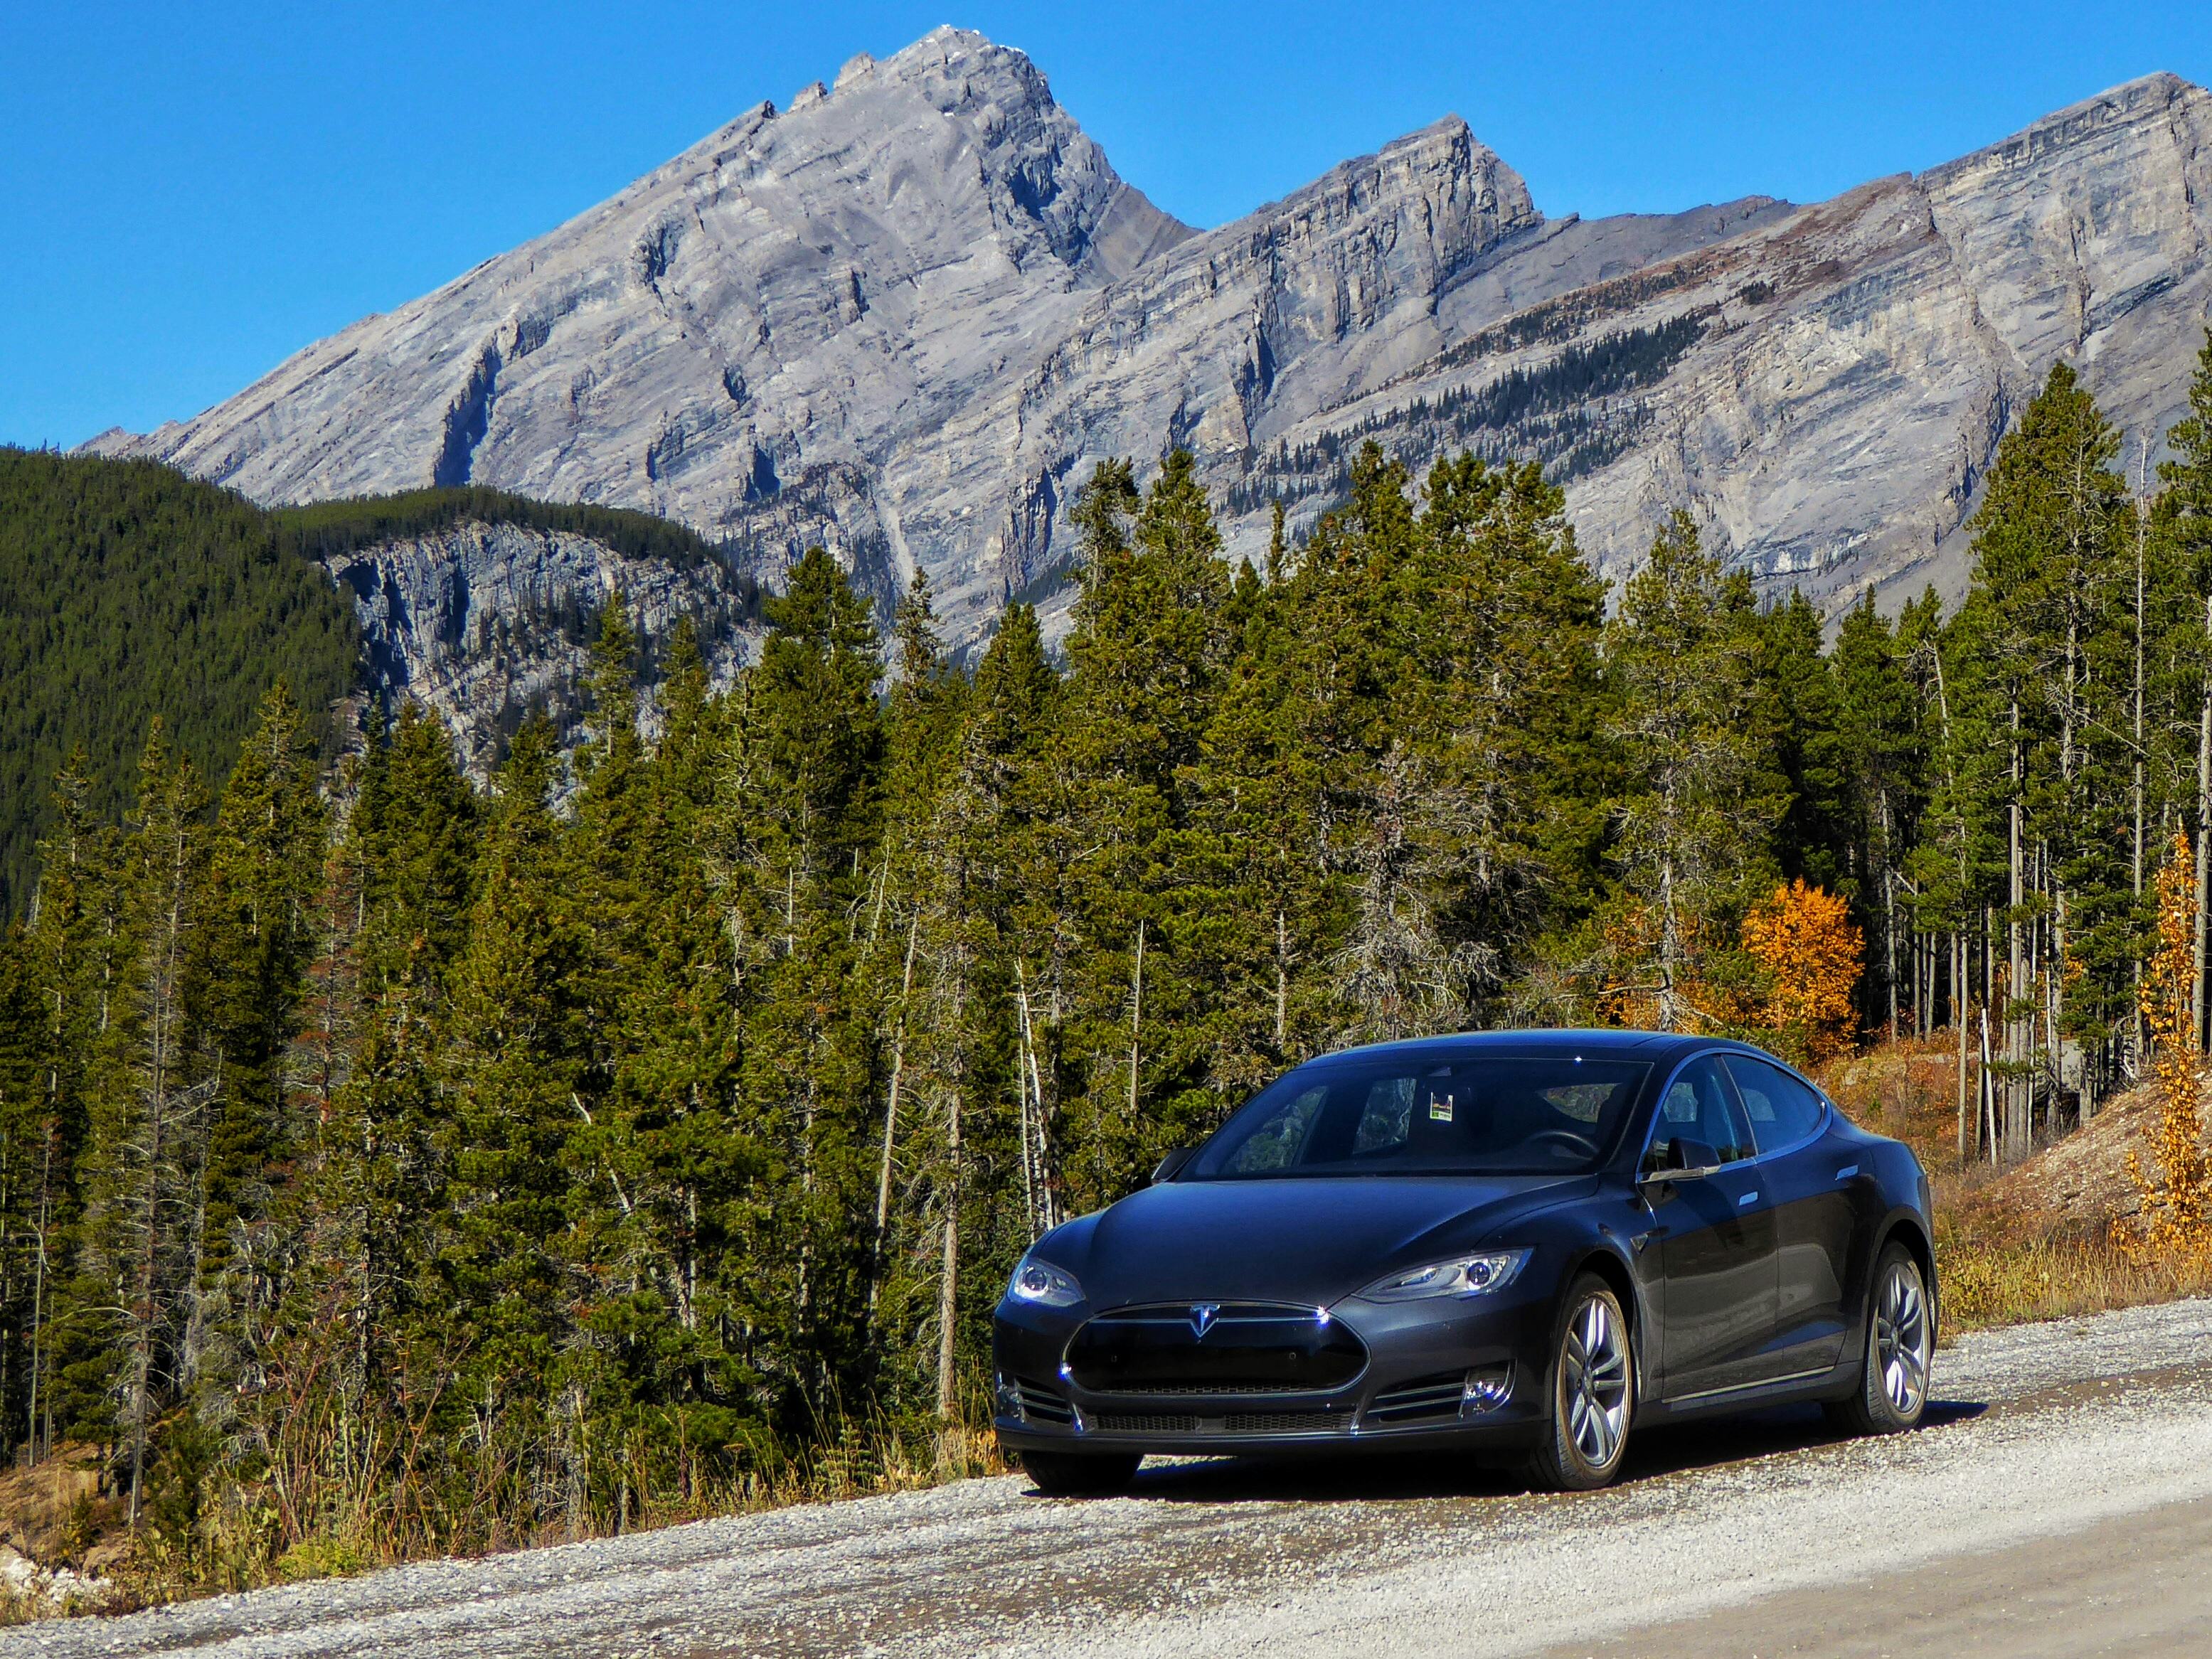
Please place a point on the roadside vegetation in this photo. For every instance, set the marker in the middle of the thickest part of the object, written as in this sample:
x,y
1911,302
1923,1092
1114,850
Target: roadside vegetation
x,y
393,1167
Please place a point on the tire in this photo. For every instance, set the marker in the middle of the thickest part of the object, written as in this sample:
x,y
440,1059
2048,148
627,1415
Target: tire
x,y
1081,1474
1894,1364
1586,1431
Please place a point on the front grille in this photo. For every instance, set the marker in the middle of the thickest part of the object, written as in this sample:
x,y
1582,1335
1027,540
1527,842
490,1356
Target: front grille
x,y
1145,1423
1040,1405
1289,1422
1431,1396
1243,1347
1189,1390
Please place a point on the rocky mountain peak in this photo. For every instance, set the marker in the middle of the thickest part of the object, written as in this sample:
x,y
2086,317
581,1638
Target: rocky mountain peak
x,y
906,316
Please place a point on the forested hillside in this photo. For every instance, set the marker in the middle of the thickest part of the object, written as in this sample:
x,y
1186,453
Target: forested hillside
x,y
388,1166
128,591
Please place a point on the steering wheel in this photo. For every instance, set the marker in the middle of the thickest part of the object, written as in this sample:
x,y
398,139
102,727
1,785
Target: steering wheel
x,y
1567,1141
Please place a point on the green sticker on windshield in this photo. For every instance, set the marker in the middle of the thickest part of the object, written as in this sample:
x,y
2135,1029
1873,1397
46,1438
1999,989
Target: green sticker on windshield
x,y
1440,1109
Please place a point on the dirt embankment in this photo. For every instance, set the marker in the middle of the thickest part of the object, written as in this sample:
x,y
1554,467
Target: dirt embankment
x,y
58,1536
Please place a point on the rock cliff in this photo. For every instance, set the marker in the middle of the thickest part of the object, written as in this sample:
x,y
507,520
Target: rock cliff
x,y
906,315
484,624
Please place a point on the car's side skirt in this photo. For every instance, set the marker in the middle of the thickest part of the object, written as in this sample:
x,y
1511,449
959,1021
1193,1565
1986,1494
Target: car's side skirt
x,y
1827,1381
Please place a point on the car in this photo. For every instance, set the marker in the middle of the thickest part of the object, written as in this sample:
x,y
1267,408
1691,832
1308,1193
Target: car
x,y
1521,1245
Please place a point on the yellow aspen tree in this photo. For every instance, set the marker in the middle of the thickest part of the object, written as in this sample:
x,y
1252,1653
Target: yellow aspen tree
x,y
2175,1182
1812,954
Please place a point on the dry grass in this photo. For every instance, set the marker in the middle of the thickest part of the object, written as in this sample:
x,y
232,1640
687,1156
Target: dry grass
x,y
233,1550
855,1458
2031,1243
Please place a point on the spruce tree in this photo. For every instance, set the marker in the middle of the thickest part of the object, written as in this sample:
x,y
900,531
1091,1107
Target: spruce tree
x,y
1693,824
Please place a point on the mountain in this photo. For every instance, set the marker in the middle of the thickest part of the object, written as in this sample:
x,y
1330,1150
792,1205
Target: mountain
x,y
906,315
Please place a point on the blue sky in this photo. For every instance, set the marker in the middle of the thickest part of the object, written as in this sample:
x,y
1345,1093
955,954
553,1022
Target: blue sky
x,y
192,193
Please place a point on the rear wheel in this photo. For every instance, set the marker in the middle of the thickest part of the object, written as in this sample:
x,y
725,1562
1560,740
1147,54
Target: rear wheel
x,y
1593,1391
1080,1474
1900,1345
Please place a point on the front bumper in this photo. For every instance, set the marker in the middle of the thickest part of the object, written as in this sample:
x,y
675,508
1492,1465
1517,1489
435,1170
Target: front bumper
x,y
1410,1395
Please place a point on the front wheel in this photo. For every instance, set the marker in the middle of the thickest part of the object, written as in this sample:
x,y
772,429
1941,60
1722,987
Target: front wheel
x,y
1900,1345
1593,1392
1080,1474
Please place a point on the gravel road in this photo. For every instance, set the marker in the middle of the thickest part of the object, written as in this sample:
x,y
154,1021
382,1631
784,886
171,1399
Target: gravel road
x,y
2056,1502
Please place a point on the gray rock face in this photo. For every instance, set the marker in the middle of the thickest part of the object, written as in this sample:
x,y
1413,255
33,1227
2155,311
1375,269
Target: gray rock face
x,y
1826,390
906,316
483,624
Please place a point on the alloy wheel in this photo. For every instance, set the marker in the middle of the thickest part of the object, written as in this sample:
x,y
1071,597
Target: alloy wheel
x,y
1900,1339
1595,1383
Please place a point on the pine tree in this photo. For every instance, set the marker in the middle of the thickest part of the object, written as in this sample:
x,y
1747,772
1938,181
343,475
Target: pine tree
x,y
2047,544
1146,657
1694,831
254,941
1879,774
801,813
145,1200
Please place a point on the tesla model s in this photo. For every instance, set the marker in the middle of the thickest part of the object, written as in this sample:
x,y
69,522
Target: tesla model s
x,y
1522,1245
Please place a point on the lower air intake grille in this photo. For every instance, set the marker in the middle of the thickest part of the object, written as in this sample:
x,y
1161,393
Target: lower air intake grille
x,y
1288,1422
1294,1422
1040,1405
1146,1422
1431,1396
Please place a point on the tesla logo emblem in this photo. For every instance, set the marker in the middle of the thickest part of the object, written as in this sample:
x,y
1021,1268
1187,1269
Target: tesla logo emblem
x,y
1202,1315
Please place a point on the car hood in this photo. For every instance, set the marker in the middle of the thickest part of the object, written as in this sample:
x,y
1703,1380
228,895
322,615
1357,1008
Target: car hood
x,y
1311,1241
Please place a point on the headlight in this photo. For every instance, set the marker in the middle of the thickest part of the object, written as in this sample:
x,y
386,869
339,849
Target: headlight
x,y
1464,1275
1045,1285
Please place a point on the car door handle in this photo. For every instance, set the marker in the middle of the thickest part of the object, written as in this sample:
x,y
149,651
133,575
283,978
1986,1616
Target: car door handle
x,y
1847,1172
1748,1198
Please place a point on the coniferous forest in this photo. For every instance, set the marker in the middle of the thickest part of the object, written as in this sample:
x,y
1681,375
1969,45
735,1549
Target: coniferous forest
x,y
387,1159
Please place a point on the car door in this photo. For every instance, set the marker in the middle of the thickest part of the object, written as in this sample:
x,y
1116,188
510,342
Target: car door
x,y
1716,1240
1810,1183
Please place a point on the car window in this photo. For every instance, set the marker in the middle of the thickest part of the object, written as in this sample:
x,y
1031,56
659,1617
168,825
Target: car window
x,y
1389,1111
1783,1111
1276,1142
1429,1110
1699,1105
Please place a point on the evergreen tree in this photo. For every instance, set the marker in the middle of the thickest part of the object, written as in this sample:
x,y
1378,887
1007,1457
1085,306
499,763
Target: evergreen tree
x,y
1690,816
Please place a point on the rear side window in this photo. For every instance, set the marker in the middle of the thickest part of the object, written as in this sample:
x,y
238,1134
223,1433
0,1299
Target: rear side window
x,y
1783,1110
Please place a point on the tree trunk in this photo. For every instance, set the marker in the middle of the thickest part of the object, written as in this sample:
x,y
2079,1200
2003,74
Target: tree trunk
x,y
1282,984
948,1281
1046,1216
2016,1028
2203,827
890,1105
1958,1019
1136,1018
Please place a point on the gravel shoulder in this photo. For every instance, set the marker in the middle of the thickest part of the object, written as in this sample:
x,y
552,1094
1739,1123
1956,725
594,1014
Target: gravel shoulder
x,y
2042,1434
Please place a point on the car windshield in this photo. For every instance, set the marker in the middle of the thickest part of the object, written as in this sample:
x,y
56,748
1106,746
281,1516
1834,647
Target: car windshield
x,y
1427,1114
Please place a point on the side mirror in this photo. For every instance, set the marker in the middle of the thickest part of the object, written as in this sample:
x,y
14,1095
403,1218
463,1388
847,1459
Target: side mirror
x,y
1171,1165
1684,1159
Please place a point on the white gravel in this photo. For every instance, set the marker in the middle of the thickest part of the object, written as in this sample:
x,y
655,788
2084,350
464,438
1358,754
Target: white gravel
x,y
2045,1430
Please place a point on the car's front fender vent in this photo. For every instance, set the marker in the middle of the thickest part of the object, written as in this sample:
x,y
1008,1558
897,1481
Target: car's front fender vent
x,y
1040,1405
1430,1396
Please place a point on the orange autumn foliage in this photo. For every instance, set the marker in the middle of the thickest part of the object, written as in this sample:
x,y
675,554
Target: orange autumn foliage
x,y
1811,954
2176,1190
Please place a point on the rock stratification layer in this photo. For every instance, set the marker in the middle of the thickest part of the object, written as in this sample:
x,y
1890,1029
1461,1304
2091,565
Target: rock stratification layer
x,y
905,316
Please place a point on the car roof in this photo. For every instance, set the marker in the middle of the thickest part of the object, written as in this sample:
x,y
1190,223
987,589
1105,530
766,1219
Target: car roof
x,y
1642,1045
